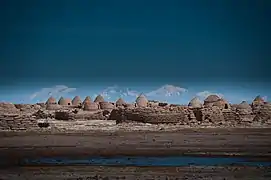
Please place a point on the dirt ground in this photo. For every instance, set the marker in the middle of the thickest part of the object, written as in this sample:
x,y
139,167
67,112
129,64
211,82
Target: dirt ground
x,y
132,173
254,142
208,141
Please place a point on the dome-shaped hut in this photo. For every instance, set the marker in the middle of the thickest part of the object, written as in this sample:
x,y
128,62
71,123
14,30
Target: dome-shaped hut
x,y
64,102
106,105
76,101
51,100
265,114
90,106
53,107
99,99
195,103
221,103
258,101
130,106
87,99
141,101
120,102
210,100
244,108
243,105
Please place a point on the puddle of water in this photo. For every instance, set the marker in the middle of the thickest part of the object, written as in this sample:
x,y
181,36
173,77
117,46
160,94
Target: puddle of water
x,y
147,161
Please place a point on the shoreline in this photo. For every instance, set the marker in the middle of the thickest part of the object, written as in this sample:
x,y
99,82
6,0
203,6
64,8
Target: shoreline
x,y
132,172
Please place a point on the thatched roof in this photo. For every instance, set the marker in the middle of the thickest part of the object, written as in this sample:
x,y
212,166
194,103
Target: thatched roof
x,y
99,98
141,101
64,102
120,102
51,100
87,99
212,99
243,105
195,103
76,101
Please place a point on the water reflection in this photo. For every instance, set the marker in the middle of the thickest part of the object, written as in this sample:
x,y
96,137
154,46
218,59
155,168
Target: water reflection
x,y
148,161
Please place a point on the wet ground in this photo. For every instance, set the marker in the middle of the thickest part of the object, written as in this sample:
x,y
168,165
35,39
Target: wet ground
x,y
133,173
254,143
247,142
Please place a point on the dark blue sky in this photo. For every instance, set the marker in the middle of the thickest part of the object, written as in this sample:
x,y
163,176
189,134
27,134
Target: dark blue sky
x,y
172,41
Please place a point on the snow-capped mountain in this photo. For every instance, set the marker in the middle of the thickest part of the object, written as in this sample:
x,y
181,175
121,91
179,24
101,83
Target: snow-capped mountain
x,y
115,92
163,93
167,91
55,91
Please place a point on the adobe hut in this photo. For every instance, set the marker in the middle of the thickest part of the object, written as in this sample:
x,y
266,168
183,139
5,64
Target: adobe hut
x,y
195,103
256,104
153,103
210,100
53,107
243,105
90,106
8,108
76,101
129,106
258,101
141,101
120,102
51,100
243,108
106,105
99,99
265,114
87,99
65,102
221,103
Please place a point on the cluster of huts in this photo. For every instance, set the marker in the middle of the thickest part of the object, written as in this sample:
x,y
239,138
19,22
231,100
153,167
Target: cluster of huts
x,y
142,101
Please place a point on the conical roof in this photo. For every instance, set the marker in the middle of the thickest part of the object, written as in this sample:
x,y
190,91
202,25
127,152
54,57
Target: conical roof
x,y
76,101
51,100
90,106
99,98
212,99
258,99
61,101
243,105
195,103
65,102
120,102
106,105
87,99
141,101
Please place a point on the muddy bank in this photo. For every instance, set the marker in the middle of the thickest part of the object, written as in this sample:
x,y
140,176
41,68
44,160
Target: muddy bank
x,y
162,173
222,142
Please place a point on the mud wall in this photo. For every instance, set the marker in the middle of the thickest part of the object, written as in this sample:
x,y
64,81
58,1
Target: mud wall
x,y
187,116
17,122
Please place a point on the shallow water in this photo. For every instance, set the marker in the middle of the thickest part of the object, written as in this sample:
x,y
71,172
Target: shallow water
x,y
148,161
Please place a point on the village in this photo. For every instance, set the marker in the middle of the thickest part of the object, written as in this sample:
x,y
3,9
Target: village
x,y
213,111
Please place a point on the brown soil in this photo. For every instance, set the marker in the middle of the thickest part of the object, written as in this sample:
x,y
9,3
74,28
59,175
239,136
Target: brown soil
x,y
248,142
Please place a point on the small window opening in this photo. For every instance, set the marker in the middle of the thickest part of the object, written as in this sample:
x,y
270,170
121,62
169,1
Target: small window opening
x,y
226,106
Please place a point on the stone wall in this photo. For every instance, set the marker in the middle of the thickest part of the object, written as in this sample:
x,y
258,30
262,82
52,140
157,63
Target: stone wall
x,y
25,117
17,122
189,116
